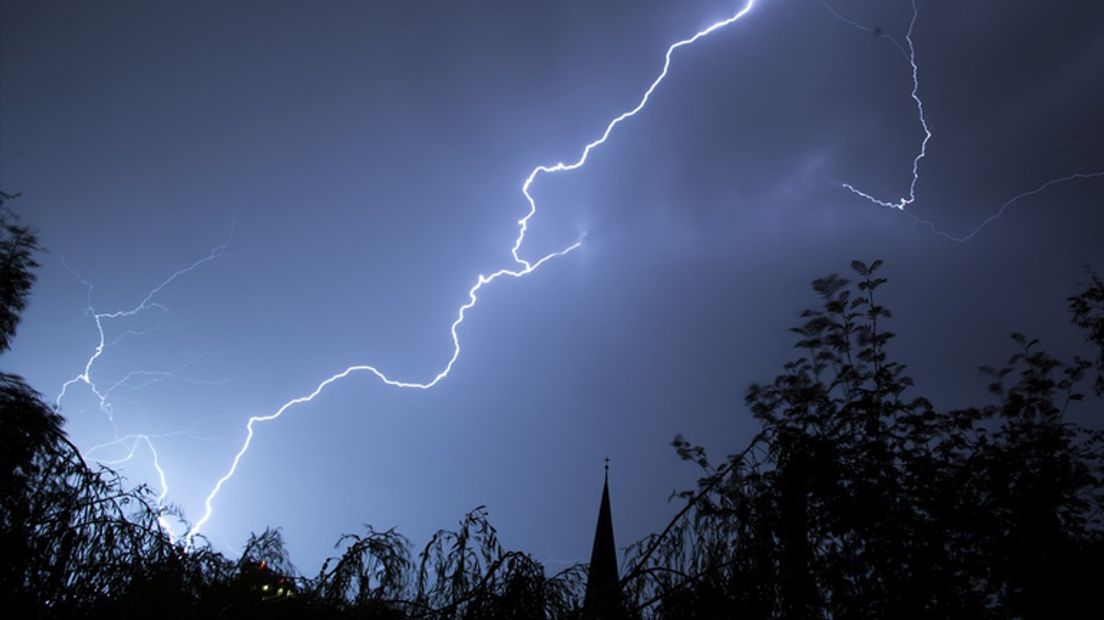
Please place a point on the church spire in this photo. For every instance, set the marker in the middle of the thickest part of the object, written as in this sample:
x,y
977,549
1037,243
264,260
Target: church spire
x,y
603,591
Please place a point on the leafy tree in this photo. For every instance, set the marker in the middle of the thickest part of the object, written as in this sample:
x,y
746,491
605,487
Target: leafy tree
x,y
859,500
1087,308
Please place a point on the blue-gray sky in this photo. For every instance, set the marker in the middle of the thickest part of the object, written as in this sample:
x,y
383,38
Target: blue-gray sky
x,y
364,162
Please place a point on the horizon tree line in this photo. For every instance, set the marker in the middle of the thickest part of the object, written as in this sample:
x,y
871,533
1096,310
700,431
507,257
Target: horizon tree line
x,y
856,498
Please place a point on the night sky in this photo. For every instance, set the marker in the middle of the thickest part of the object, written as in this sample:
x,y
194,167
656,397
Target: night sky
x,y
363,161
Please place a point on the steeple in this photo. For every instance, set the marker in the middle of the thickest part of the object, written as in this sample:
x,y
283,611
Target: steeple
x,y
603,591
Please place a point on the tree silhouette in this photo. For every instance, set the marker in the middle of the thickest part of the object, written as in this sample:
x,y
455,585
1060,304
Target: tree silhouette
x,y
855,499
18,245
858,500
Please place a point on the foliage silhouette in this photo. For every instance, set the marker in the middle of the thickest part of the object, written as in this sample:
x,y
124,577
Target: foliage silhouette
x,y
855,499
17,264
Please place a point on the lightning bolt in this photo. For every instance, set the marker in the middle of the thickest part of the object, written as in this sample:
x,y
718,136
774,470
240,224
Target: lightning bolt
x,y
910,56
156,459
134,440
909,53
1004,207
519,268
98,318
103,395
522,268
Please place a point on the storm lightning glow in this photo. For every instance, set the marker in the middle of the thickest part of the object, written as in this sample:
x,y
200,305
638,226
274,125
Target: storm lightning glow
x,y
103,395
147,303
909,53
155,459
519,268
524,267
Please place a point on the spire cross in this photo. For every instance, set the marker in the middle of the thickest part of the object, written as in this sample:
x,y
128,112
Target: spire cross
x,y
607,464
